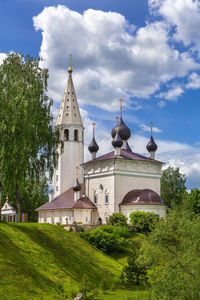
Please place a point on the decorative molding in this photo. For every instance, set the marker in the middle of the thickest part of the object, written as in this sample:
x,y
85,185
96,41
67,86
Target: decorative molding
x,y
125,173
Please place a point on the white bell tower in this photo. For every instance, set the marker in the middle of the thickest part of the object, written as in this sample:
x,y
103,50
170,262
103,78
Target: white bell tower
x,y
72,133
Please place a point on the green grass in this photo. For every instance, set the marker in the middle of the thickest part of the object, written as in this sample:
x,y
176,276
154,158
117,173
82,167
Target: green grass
x,y
36,258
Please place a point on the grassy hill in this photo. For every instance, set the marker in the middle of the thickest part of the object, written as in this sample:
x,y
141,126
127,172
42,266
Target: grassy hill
x,y
38,260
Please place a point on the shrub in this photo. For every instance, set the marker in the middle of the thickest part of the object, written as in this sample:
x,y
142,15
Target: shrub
x,y
106,238
143,221
117,219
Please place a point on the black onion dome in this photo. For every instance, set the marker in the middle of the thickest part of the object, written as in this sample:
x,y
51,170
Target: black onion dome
x,y
117,141
93,147
124,131
151,146
128,147
77,186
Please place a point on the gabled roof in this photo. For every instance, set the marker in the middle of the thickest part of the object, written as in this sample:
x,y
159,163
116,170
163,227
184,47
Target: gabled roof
x,y
124,154
84,202
63,201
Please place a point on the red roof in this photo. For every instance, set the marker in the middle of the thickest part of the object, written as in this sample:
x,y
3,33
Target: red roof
x,y
63,201
84,202
142,197
124,154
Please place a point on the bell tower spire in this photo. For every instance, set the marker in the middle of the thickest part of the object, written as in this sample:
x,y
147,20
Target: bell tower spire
x,y
70,123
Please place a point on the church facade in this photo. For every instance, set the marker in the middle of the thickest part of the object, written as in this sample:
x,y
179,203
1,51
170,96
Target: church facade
x,y
89,192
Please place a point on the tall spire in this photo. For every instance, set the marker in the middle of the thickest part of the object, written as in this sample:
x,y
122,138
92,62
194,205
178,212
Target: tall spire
x,y
69,110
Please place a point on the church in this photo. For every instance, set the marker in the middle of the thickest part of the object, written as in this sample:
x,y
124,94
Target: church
x,y
119,181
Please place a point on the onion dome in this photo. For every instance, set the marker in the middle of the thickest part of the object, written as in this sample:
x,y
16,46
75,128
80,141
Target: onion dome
x,y
128,147
93,147
77,186
151,146
124,131
117,141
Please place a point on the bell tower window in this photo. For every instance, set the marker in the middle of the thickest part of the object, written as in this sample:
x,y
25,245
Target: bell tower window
x,y
76,135
66,134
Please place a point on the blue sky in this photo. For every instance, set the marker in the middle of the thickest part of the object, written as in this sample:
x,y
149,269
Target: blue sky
x,y
146,52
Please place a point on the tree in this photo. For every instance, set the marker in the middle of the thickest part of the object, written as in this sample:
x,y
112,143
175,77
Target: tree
x,y
143,221
117,219
28,140
172,250
191,201
172,187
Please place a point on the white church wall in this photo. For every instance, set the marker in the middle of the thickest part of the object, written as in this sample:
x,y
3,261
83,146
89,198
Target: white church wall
x,y
61,216
156,209
103,189
85,216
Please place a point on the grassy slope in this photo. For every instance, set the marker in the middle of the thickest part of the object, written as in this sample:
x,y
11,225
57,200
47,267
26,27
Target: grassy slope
x,y
36,258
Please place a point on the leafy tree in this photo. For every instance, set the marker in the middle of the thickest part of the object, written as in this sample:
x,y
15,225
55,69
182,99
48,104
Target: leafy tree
x,y
172,187
28,141
117,219
143,221
191,201
173,252
107,238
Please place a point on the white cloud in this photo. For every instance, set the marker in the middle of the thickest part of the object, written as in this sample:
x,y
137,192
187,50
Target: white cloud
x,y
148,128
193,81
2,57
171,94
162,104
111,59
183,14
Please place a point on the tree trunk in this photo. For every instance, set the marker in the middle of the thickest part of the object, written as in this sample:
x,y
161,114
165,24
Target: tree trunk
x,y
17,199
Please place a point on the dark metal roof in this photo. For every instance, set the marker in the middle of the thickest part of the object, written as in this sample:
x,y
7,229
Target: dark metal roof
x,y
151,146
77,186
117,141
142,197
124,131
128,148
93,146
63,201
124,154
84,203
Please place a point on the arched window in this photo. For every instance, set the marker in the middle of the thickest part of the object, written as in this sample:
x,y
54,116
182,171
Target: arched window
x,y
95,197
76,135
66,134
106,197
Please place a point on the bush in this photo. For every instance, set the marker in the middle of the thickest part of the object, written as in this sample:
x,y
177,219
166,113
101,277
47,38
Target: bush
x,y
107,238
117,219
144,221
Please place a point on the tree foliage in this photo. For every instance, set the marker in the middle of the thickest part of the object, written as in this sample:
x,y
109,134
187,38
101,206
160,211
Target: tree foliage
x,y
173,251
117,219
107,238
27,137
172,187
143,221
191,201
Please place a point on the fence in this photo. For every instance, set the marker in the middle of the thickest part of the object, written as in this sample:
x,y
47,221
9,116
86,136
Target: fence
x,y
18,218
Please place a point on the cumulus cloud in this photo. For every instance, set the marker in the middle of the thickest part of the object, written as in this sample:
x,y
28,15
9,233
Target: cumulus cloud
x,y
2,57
111,58
184,15
193,81
171,94
148,128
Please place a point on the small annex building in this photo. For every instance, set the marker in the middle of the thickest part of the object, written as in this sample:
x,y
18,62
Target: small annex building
x,y
119,181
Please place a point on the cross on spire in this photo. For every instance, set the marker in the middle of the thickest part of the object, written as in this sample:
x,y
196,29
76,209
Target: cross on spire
x,y
121,101
151,127
77,172
93,124
70,63
117,118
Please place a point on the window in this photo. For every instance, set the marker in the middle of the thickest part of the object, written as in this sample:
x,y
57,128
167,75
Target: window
x,y
66,220
56,177
66,135
76,135
95,198
56,188
106,198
